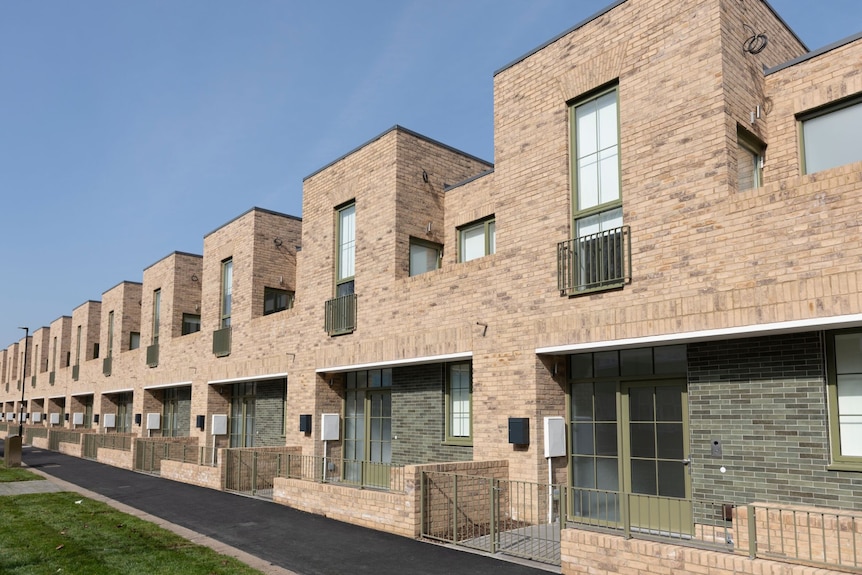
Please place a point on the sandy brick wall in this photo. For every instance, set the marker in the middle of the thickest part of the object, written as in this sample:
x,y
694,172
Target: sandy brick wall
x,y
589,552
200,475
116,457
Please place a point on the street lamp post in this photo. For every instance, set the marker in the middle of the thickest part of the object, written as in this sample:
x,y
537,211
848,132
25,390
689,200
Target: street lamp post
x,y
23,383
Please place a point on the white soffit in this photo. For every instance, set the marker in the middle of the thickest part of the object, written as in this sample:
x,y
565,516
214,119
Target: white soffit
x,y
248,378
835,322
169,385
397,362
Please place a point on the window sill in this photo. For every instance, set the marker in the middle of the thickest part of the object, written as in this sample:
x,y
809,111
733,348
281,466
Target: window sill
x,y
458,442
845,466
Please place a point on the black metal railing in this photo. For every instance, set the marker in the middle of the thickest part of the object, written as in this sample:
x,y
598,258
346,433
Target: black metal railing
x,y
221,342
341,315
153,355
594,262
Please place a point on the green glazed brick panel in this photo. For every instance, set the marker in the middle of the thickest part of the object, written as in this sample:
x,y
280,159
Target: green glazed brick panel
x,y
764,400
418,413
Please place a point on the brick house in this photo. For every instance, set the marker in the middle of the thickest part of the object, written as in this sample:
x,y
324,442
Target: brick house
x,y
664,258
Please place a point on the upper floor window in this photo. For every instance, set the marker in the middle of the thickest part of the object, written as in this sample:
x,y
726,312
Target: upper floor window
x,y
111,333
830,136
157,312
477,239
424,256
596,258
226,291
134,340
845,397
275,300
191,323
345,266
749,161
78,346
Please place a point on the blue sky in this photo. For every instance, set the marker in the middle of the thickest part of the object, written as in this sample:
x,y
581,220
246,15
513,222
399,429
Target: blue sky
x,y
129,130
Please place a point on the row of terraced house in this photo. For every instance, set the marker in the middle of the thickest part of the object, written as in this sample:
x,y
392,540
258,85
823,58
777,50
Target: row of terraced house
x,y
635,338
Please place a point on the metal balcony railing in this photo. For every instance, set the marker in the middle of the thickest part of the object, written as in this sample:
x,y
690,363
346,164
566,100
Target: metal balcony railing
x,y
594,262
153,355
76,369
341,315
221,342
106,366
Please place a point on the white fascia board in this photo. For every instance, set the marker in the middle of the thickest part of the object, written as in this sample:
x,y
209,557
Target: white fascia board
x,y
168,385
80,393
126,390
249,378
796,326
397,362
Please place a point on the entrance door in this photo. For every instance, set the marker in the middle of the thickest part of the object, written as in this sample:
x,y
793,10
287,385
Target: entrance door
x,y
655,456
368,427
242,408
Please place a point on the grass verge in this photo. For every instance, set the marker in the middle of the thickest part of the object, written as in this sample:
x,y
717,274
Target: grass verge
x,y
16,474
67,534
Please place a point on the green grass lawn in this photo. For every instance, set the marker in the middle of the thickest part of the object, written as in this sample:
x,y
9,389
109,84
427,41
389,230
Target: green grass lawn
x,y
16,474
70,535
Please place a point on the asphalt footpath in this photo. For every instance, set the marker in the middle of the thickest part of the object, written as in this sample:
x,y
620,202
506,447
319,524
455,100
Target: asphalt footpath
x,y
287,539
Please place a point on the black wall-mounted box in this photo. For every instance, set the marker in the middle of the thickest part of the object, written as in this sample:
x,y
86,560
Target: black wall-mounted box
x,y
519,430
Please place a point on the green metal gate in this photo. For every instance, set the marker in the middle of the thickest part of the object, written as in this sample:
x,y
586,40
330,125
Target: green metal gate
x,y
515,518
252,471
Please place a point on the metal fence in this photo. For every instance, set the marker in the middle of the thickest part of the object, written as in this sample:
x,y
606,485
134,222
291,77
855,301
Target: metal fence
x,y
517,518
95,441
340,315
252,471
354,473
58,436
149,454
831,539
32,432
819,538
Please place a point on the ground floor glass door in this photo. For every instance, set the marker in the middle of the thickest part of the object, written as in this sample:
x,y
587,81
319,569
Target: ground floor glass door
x,y
242,410
656,457
368,427
629,439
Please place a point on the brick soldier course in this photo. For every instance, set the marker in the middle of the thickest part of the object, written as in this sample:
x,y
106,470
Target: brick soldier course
x,y
747,286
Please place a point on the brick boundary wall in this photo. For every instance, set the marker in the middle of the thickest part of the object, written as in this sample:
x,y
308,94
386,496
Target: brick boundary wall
x,y
593,553
200,475
393,512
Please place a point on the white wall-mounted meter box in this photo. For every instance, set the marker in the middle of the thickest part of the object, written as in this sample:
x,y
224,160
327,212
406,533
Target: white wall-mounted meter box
x,y
110,420
77,418
37,416
555,437
55,418
329,427
219,426
154,420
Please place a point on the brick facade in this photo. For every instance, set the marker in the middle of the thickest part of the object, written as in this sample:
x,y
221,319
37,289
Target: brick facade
x,y
751,281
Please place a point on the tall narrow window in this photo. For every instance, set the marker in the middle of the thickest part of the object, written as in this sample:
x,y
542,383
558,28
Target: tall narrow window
x,y
54,356
78,348
346,251
226,291
845,398
459,403
598,212
157,311
111,333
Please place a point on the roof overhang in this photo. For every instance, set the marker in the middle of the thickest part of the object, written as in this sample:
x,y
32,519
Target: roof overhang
x,y
796,326
397,362
249,378
169,385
